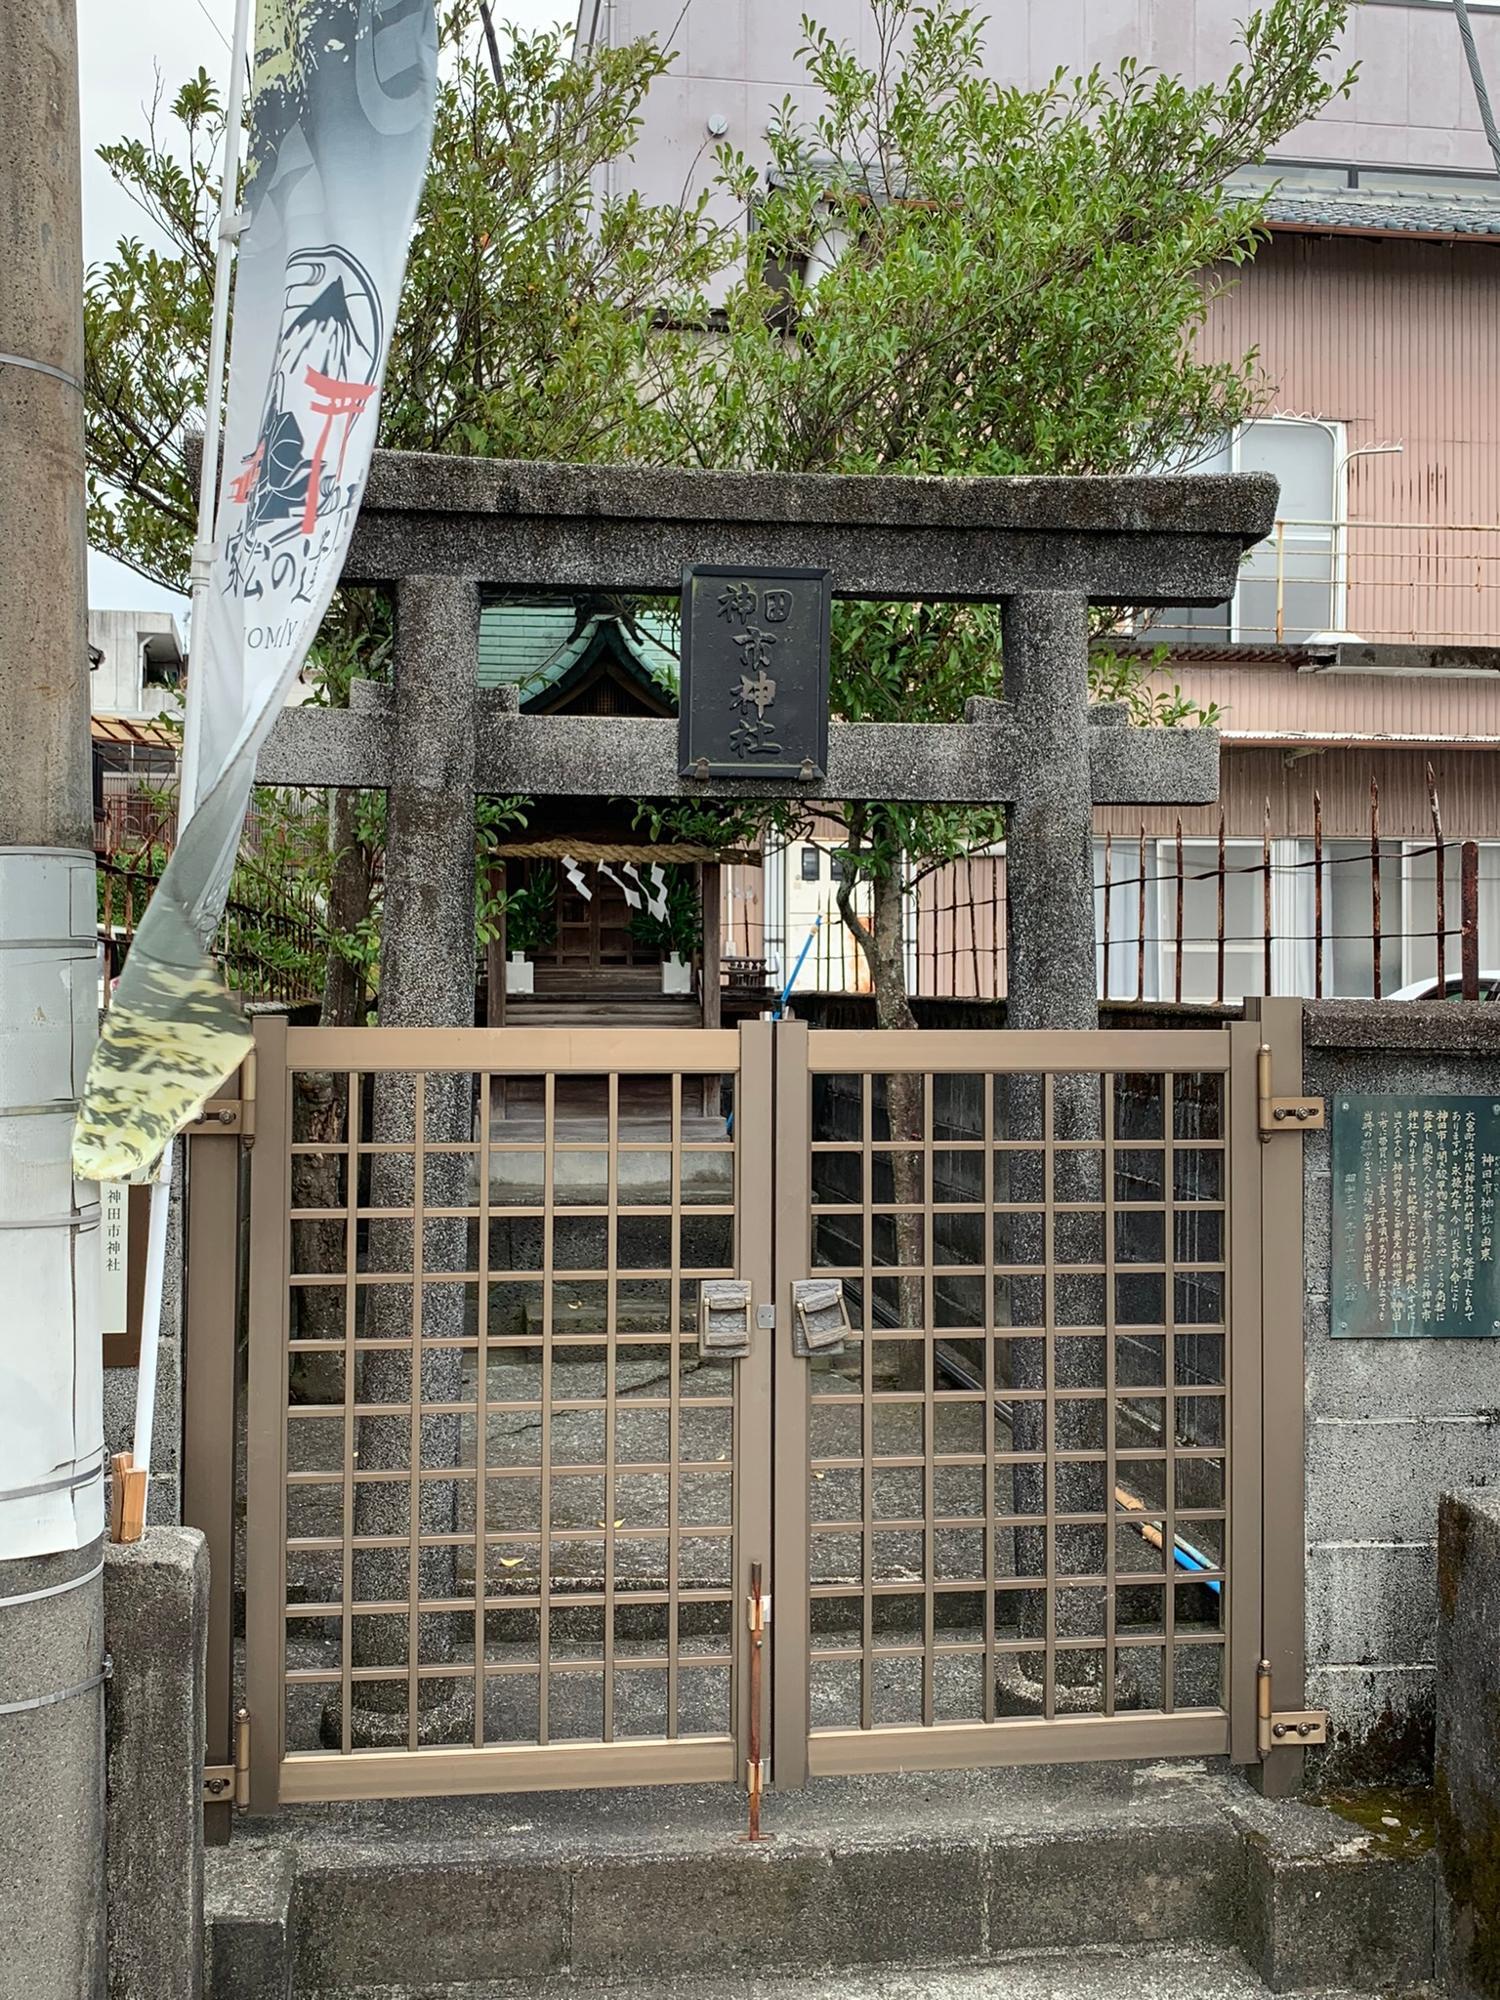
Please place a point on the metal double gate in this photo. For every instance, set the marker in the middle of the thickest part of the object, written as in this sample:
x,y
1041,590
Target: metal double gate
x,y
505,1496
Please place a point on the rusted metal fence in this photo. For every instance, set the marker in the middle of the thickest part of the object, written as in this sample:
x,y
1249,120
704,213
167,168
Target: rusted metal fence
x,y
270,950
1190,920
272,942
1454,935
956,917
1327,907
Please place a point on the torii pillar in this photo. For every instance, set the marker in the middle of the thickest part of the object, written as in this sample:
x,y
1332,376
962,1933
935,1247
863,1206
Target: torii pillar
x,y
1049,833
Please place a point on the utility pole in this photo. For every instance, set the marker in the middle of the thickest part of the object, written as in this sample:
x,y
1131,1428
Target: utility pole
x,y
51,1430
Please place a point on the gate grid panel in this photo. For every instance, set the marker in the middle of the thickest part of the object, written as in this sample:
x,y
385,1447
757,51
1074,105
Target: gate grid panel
x,y
498,1479
1018,1471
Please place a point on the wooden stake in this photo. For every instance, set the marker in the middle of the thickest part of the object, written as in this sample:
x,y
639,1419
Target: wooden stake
x,y
127,1498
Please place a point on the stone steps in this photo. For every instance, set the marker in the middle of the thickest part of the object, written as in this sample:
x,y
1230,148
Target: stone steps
x,y
622,1010
1009,1876
1156,1973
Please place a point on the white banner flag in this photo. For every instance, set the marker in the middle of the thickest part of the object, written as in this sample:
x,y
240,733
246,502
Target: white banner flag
x,y
341,124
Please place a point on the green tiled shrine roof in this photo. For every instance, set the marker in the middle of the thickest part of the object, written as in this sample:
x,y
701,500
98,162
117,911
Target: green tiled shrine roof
x,y
532,646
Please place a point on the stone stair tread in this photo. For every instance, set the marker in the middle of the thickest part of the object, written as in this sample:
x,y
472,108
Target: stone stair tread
x,y
1019,1803
1001,1881
1156,1973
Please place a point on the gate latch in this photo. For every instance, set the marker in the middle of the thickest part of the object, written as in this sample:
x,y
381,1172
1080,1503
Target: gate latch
x,y
1288,1728
724,1319
1284,1114
822,1318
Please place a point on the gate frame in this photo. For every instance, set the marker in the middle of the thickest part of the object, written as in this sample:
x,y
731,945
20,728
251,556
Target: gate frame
x,y
1229,1050
1277,1024
1264,1210
463,1770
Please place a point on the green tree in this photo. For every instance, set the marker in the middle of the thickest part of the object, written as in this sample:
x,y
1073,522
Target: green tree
x,y
965,278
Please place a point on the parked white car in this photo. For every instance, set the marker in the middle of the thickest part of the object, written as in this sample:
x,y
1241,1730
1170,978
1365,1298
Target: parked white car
x,y
1451,989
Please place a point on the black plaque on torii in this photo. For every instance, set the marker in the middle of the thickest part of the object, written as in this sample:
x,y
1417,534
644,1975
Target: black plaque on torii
x,y
754,696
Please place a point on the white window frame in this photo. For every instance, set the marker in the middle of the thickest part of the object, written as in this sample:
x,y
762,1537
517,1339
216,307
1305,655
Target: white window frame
x,y
1338,522
1286,971
1489,877
1125,864
1394,872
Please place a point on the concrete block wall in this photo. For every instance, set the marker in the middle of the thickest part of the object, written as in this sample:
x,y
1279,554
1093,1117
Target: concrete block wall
x,y
164,1500
1391,1424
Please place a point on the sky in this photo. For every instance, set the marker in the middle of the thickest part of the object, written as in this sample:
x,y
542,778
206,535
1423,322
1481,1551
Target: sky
x,y
123,52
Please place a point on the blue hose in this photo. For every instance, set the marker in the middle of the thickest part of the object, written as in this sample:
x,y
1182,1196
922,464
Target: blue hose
x,y
786,991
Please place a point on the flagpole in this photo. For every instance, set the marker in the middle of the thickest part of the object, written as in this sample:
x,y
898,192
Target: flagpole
x,y
213,401
129,1511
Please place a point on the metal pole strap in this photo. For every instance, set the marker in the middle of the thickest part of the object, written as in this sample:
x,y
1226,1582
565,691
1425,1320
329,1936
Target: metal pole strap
x,y
41,368
54,1589
106,1672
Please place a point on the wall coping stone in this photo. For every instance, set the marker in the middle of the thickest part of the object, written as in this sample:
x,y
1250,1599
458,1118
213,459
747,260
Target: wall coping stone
x,y
1421,1025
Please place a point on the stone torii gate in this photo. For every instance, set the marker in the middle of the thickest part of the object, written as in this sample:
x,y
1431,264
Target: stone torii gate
x,y
443,530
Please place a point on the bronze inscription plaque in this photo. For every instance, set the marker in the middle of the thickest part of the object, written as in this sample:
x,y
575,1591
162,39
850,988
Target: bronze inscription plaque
x,y
1415,1186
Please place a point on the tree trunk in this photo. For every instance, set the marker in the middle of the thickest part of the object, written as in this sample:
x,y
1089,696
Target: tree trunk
x,y
886,957
348,906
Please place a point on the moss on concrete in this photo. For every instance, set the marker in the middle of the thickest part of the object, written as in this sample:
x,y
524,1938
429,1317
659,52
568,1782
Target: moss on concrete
x,y
1396,1750
1401,1818
1453,1553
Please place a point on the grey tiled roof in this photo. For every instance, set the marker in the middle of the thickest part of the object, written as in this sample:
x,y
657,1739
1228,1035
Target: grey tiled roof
x,y
1471,210
1387,213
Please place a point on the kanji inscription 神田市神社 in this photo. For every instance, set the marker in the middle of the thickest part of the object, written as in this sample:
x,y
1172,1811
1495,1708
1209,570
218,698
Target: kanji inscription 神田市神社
x,y
754,672
1415,1184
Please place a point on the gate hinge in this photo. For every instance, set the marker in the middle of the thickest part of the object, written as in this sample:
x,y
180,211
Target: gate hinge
x,y
229,1784
218,1784
220,1118
1287,1728
1292,1114
1284,1114
230,1117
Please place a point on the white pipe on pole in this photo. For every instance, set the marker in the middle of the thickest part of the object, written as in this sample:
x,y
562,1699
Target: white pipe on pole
x,y
1476,77
202,574
51,1384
